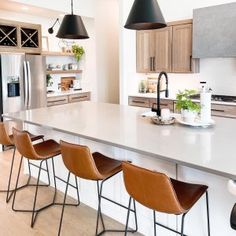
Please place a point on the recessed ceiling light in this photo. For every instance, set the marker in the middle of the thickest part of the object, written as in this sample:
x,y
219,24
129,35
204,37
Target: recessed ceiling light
x,y
24,8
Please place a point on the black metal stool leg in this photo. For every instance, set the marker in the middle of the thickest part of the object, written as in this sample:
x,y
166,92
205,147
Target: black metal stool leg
x,y
155,226
182,224
127,219
8,197
208,215
63,205
77,189
34,213
17,181
55,182
49,182
99,213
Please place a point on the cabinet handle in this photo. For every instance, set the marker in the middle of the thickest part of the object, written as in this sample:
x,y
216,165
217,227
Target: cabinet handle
x,y
217,110
79,97
154,63
150,63
61,100
140,102
190,63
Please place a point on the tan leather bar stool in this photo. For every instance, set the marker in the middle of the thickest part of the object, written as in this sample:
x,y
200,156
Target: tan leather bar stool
x,y
160,193
96,167
7,141
41,152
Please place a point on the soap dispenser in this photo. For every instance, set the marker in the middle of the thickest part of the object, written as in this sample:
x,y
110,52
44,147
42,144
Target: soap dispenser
x,y
205,102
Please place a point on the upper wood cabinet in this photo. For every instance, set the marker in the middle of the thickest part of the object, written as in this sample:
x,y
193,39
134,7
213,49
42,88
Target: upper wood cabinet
x,y
20,37
145,51
182,50
162,50
168,49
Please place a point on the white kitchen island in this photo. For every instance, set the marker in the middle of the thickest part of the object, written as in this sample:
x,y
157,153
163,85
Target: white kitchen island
x,y
190,154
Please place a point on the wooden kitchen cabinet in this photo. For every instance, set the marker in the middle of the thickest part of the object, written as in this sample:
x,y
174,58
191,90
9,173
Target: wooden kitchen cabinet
x,y
154,50
168,49
145,51
150,102
182,61
162,50
20,37
79,97
139,102
60,100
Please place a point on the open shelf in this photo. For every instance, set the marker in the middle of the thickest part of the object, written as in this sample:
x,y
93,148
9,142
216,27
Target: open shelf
x,y
49,72
47,53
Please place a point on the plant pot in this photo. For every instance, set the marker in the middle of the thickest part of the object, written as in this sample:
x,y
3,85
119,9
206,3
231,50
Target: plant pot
x,y
188,116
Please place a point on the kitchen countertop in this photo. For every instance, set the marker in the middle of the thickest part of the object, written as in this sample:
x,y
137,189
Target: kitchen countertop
x,y
211,150
154,95
66,93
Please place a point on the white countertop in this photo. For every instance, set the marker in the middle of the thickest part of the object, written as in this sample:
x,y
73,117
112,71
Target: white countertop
x,y
211,149
154,95
66,93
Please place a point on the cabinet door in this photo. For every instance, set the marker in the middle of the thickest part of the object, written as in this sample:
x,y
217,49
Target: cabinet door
x,y
182,48
139,102
144,51
79,97
162,44
54,101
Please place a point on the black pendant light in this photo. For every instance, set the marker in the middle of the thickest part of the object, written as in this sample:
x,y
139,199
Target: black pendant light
x,y
72,27
145,15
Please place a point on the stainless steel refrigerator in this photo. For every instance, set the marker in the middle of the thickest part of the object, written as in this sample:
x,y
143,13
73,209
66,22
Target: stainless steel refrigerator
x,y
22,82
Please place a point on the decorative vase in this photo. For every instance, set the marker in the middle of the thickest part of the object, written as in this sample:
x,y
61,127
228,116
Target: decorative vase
x,y
188,116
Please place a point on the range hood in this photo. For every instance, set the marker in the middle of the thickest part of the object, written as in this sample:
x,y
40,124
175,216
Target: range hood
x,y
214,33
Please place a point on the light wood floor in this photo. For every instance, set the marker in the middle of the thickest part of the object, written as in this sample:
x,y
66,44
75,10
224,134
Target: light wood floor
x,y
79,221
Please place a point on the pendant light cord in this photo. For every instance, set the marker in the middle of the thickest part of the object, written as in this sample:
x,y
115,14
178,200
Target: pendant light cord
x,y
72,10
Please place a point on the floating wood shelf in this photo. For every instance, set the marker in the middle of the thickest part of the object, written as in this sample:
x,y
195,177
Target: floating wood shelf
x,y
47,53
48,72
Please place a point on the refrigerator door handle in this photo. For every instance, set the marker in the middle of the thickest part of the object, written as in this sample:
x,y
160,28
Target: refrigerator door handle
x,y
25,85
29,85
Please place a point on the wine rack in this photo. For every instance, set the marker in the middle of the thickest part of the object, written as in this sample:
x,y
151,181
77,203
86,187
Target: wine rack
x,y
20,37
8,36
29,38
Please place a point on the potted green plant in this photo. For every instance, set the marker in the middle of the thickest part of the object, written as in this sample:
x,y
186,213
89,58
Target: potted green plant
x,y
189,109
78,51
49,81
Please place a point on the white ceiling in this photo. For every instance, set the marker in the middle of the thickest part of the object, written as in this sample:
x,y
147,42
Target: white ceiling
x,y
13,6
84,8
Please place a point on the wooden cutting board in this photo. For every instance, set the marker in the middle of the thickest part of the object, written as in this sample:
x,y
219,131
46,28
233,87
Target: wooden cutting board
x,y
66,82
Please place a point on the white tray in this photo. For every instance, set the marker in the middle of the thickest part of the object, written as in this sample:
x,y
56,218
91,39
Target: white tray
x,y
197,123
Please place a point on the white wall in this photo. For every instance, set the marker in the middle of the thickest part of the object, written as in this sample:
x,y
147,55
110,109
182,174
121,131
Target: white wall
x,y
107,45
219,73
87,64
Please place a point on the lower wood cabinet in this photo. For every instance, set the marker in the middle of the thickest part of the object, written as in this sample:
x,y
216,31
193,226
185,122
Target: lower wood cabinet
x,y
150,102
60,100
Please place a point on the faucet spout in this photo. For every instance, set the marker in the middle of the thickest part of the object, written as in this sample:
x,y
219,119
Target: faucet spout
x,y
158,109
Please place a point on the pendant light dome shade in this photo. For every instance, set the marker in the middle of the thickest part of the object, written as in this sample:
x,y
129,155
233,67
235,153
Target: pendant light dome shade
x,y
145,15
72,27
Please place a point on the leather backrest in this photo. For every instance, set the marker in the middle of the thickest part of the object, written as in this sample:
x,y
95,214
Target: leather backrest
x,y
79,161
4,138
152,189
24,145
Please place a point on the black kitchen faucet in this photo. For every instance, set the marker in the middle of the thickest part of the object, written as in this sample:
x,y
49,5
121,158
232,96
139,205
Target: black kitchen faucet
x,y
158,109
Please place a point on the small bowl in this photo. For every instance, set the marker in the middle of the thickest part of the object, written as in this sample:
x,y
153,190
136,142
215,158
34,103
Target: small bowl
x,y
158,121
